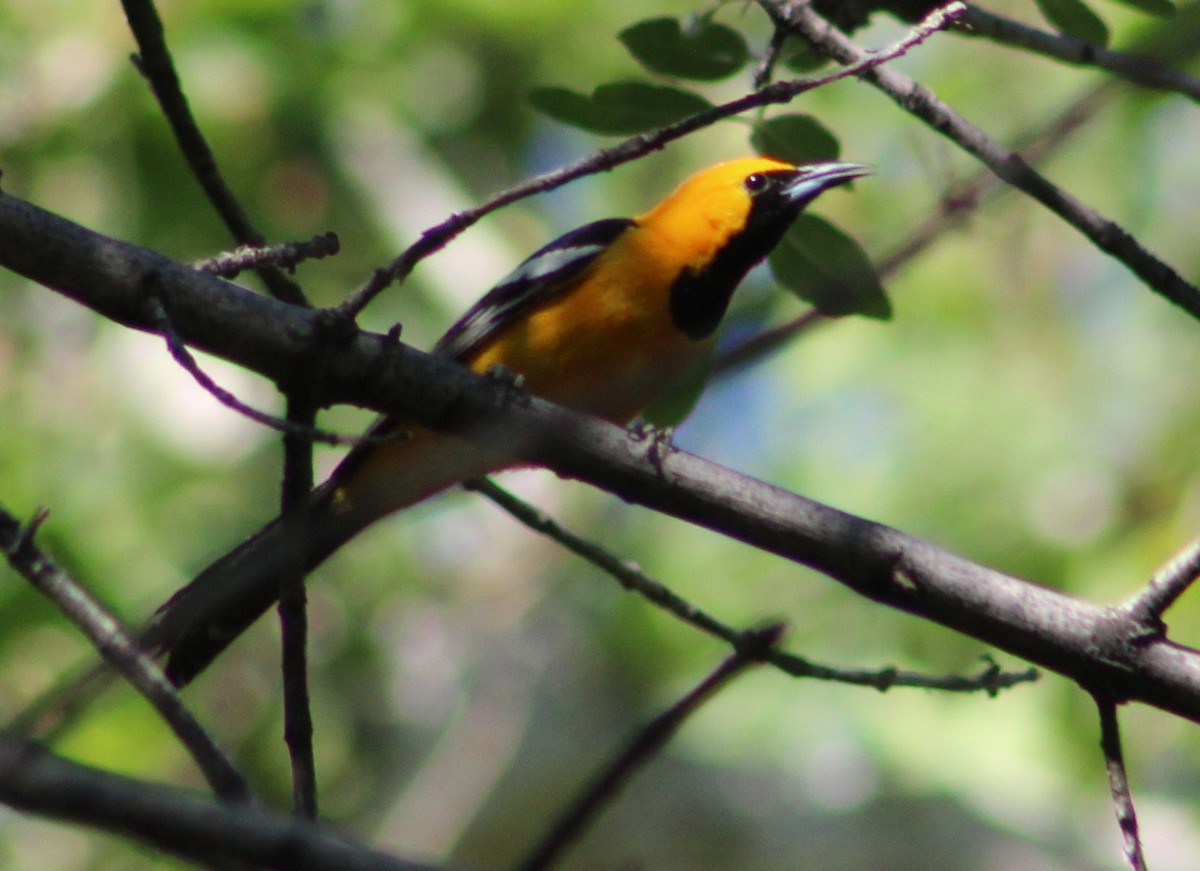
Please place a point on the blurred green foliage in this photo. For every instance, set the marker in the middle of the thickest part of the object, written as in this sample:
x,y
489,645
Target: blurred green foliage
x,y
1029,405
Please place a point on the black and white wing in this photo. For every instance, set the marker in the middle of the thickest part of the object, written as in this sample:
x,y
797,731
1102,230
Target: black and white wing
x,y
543,275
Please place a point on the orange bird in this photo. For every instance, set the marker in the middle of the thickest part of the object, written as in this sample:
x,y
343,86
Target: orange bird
x,y
603,320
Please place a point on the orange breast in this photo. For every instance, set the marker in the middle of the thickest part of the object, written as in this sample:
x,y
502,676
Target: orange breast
x,y
603,349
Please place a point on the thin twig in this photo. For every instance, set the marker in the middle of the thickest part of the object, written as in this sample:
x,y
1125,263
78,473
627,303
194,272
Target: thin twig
x,y
293,610
57,709
435,238
764,71
184,358
1010,166
287,255
1118,781
1140,70
762,344
155,63
1168,584
990,680
119,649
652,738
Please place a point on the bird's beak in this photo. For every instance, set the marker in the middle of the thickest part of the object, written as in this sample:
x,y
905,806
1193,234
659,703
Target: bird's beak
x,y
813,178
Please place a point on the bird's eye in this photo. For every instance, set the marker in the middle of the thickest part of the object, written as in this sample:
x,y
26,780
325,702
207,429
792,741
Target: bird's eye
x,y
756,183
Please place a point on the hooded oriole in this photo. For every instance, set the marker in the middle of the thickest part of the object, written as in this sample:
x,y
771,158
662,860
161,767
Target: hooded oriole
x,y
602,320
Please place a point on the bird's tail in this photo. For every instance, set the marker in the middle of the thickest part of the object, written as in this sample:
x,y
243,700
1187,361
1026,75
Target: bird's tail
x,y
196,624
203,618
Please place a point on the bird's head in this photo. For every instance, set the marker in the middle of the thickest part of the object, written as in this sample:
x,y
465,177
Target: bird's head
x,y
725,219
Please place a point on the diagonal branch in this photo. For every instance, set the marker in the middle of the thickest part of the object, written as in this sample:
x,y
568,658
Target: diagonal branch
x,y
120,650
1140,70
644,745
990,680
177,821
290,429
1008,165
1168,584
157,66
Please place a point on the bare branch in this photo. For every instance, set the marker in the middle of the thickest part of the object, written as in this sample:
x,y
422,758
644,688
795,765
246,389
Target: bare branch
x,y
109,637
184,358
177,821
293,610
632,578
228,264
1008,165
1168,584
764,71
156,65
1118,781
649,741
1142,71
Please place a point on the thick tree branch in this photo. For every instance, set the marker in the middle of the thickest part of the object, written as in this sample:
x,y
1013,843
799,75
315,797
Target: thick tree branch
x,y
1095,646
174,820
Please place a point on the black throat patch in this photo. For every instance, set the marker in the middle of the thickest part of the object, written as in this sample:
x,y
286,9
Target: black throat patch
x,y
700,297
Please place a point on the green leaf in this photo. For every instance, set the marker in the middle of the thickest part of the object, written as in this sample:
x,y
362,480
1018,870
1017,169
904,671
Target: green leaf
x,y
795,138
824,266
800,57
1074,18
1161,8
703,50
620,108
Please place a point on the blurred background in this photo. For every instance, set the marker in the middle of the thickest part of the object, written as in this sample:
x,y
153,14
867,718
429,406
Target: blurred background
x,y
1030,406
